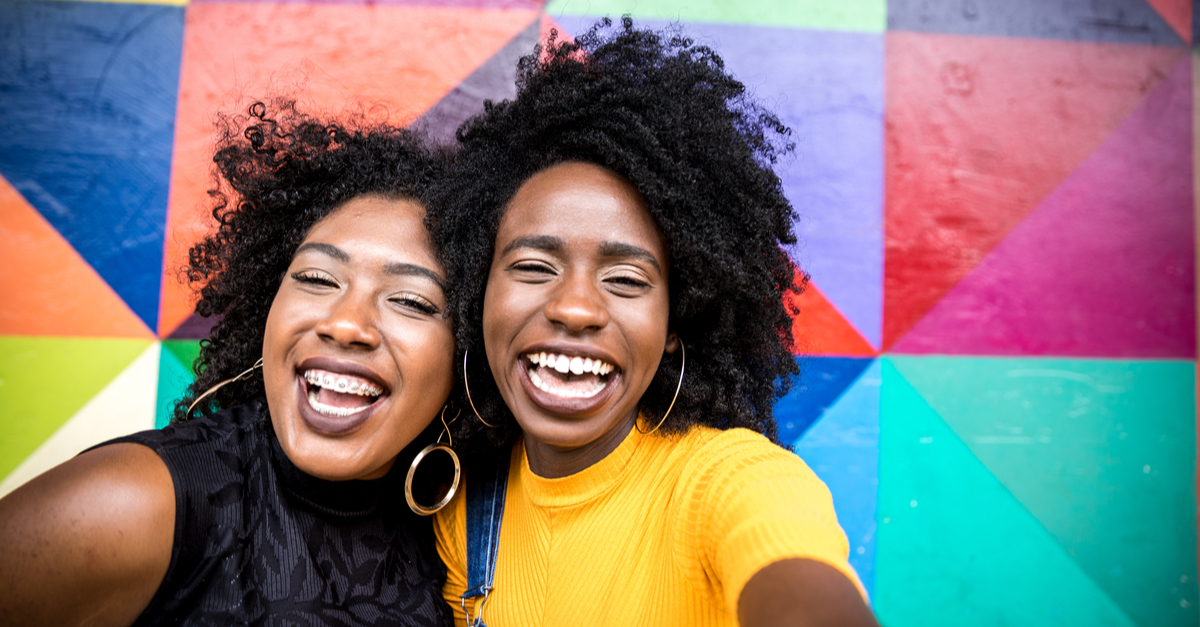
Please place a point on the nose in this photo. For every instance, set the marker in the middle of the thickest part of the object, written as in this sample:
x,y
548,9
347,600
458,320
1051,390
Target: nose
x,y
577,305
351,323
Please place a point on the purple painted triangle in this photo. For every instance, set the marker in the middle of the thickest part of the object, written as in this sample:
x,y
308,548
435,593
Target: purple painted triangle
x,y
1104,266
494,80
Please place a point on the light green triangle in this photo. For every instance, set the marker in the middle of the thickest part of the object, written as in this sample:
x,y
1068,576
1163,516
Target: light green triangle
x,y
1102,452
173,379
44,381
845,15
954,546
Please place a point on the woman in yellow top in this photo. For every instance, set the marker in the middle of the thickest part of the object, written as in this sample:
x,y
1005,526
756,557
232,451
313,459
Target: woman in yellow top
x,y
617,230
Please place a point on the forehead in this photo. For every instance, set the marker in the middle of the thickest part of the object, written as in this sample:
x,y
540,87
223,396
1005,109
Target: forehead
x,y
581,201
378,226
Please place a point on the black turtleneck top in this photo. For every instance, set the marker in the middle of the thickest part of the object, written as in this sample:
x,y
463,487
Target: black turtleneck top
x,y
258,541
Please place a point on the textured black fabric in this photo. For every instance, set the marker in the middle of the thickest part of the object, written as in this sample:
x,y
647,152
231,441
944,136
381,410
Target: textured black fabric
x,y
257,541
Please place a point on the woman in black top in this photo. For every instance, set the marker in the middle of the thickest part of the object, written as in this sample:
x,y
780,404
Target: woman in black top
x,y
277,499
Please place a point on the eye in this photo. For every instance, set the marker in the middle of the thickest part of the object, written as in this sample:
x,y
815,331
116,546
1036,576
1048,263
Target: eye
x,y
532,270
625,282
415,302
314,278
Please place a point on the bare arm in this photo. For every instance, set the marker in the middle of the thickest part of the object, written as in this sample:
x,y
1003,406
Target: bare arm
x,y
88,542
802,593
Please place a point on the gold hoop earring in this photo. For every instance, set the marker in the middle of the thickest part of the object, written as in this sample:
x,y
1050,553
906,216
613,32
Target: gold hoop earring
x,y
468,389
682,368
416,507
249,372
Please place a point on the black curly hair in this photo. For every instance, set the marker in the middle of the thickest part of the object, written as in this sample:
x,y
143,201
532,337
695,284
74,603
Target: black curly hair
x,y
664,113
277,173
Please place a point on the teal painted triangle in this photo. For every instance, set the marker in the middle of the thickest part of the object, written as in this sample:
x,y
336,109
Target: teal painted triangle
x,y
1102,452
174,376
954,546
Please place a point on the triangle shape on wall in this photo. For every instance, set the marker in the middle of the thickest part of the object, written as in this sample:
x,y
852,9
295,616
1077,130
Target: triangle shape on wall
x,y
846,15
88,126
1103,453
1124,220
49,289
390,62
1110,21
1177,13
820,329
843,449
954,547
174,377
971,149
46,381
822,381
124,406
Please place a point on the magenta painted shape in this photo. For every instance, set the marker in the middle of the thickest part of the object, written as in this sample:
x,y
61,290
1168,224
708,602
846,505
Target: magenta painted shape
x,y
1104,266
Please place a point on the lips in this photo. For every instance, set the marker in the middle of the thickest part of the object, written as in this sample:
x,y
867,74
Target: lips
x,y
337,397
566,382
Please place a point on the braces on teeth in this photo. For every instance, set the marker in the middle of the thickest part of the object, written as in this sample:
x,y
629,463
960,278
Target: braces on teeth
x,y
573,365
343,385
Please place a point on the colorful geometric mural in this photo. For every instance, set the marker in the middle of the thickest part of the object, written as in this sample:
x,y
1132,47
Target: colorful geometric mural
x,y
997,209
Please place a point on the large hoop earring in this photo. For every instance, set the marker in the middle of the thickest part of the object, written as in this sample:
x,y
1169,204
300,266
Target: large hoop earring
x,y
249,372
468,389
682,368
416,507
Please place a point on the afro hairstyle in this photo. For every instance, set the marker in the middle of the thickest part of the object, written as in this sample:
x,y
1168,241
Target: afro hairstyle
x,y
661,111
276,175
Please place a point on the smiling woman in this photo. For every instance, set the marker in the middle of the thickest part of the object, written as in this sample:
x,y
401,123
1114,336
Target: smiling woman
x,y
275,497
623,228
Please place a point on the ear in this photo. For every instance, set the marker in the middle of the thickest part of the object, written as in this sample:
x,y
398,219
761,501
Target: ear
x,y
672,344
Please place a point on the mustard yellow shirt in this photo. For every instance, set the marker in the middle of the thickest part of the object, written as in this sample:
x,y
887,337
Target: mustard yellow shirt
x,y
661,531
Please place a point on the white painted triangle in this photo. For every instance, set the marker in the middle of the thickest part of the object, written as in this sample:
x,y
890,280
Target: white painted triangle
x,y
122,407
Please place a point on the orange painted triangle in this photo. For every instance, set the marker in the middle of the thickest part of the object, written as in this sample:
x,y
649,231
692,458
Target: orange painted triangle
x,y
980,130
1177,13
820,329
48,287
380,61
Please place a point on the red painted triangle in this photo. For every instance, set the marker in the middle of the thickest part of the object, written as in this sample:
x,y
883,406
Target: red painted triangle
x,y
979,131
390,62
49,289
820,329
1177,13
1103,267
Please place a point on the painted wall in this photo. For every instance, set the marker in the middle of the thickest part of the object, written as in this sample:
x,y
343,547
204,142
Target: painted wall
x,y
997,209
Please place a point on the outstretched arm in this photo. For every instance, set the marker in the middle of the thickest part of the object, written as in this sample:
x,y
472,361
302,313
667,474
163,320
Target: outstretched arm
x,y
802,593
87,542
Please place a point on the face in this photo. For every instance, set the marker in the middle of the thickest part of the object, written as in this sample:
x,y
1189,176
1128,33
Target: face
x,y
357,357
576,311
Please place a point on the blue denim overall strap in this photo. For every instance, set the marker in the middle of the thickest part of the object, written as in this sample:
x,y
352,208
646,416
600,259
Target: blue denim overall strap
x,y
485,507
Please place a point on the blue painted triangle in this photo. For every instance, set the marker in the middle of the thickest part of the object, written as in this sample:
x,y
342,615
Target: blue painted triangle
x,y
1106,21
828,87
822,381
843,449
89,111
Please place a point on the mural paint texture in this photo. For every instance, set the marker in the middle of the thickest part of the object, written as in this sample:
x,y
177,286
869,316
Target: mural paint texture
x,y
997,208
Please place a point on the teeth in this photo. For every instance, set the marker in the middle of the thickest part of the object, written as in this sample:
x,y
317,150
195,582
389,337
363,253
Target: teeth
x,y
330,410
341,383
543,386
571,364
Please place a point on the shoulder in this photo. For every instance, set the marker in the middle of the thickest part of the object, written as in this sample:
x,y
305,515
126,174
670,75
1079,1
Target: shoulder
x,y
97,529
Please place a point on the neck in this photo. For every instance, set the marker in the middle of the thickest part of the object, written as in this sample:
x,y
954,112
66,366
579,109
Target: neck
x,y
552,461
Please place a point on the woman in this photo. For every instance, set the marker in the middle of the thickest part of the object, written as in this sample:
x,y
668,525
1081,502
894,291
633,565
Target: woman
x,y
621,227
276,499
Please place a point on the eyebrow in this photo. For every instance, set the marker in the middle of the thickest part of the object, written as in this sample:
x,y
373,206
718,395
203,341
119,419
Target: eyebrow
x,y
550,243
391,269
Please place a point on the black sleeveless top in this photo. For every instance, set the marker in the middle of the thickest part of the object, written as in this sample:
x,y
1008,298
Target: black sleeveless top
x,y
257,541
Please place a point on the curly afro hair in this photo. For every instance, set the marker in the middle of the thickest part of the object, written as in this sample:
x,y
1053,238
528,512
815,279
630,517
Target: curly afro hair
x,y
662,112
276,175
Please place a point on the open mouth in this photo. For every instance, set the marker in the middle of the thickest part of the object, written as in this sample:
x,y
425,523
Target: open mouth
x,y
339,395
568,376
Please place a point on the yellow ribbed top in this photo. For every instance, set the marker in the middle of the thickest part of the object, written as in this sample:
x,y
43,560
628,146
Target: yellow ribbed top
x,y
661,531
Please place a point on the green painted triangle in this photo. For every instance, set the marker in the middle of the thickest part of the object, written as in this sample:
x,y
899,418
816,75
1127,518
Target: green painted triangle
x,y
44,381
173,379
185,351
954,546
845,15
1102,452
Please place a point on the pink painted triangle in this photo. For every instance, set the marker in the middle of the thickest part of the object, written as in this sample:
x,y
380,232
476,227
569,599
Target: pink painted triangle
x,y
1103,266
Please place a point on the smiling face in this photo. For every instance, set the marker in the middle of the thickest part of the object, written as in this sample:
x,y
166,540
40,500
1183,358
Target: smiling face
x,y
357,356
576,312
